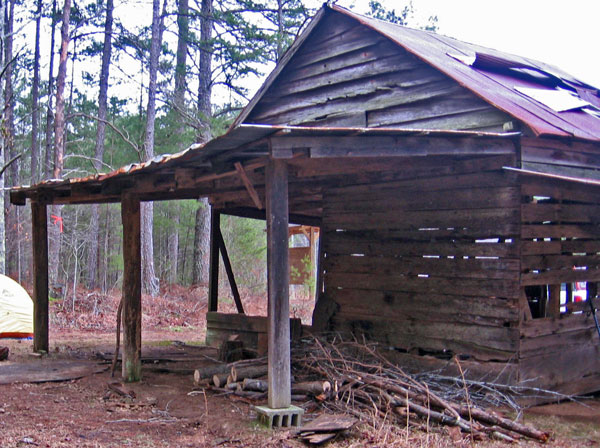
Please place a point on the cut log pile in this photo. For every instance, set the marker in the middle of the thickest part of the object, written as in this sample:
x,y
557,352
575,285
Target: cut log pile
x,y
354,378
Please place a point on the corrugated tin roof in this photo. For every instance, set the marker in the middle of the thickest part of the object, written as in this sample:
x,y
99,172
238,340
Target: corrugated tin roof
x,y
240,137
492,75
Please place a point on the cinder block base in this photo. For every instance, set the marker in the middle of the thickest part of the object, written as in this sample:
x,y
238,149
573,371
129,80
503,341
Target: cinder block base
x,y
279,418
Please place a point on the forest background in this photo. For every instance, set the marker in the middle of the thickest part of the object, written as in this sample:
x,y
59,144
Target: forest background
x,y
90,86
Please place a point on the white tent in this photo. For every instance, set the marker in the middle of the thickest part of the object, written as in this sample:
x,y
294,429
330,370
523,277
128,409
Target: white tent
x,y
16,310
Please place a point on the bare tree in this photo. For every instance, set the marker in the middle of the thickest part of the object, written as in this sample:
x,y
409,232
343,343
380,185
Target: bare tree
x,y
149,280
47,171
202,226
10,212
59,142
35,87
92,266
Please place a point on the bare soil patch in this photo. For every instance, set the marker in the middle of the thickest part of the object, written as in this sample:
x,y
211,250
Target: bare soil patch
x,y
166,410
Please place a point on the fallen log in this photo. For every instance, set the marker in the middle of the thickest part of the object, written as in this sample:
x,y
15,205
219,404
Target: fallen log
x,y
312,388
255,385
241,373
221,379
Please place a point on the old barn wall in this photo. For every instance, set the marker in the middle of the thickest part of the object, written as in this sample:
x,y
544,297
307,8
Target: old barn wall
x,y
560,233
348,75
428,264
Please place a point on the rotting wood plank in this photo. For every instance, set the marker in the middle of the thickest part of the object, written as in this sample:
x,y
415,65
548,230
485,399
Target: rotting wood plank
x,y
562,170
576,213
440,267
307,96
551,371
553,343
132,289
496,337
557,276
279,395
561,190
371,51
560,145
451,199
473,345
452,172
560,247
460,102
586,231
338,243
373,101
465,286
352,39
465,309
553,156
404,70
531,262
393,146
556,325
463,120
418,220
39,242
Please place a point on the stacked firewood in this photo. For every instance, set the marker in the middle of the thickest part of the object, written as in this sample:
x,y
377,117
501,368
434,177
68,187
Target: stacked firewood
x,y
354,378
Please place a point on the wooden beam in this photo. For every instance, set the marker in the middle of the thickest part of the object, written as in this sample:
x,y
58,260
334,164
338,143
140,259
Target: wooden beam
x,y
213,274
229,270
248,184
39,243
390,146
279,379
247,212
132,289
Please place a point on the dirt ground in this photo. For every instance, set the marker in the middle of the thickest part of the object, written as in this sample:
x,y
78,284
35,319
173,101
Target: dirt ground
x,y
166,410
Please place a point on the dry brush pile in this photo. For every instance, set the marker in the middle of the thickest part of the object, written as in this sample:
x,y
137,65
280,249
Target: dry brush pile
x,y
368,386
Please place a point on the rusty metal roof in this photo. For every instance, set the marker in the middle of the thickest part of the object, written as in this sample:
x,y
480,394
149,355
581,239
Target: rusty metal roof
x,y
492,75
239,144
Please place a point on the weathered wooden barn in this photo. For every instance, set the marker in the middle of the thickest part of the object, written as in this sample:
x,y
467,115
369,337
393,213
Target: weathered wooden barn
x,y
457,190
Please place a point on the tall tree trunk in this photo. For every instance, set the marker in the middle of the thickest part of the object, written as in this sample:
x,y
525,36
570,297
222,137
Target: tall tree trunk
x,y
10,212
202,226
2,145
47,171
149,280
92,265
181,112
173,248
180,66
59,143
35,88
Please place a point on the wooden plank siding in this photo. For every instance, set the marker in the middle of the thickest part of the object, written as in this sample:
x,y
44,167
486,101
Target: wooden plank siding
x,y
404,261
346,74
560,244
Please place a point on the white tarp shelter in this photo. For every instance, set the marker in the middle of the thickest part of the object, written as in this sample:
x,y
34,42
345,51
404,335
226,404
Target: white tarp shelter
x,y
16,310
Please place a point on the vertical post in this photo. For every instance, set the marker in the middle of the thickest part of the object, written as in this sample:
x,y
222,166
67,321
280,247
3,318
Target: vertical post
x,y
279,368
39,222
213,272
132,289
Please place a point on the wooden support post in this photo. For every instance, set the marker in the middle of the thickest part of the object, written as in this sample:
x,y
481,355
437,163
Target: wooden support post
x,y
132,289
39,222
229,270
213,272
278,285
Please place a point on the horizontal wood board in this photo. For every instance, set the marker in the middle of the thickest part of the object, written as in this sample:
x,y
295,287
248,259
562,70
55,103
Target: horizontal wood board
x,y
346,74
406,264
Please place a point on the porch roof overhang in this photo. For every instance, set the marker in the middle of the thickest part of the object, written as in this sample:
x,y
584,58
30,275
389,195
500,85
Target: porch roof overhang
x,y
219,165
